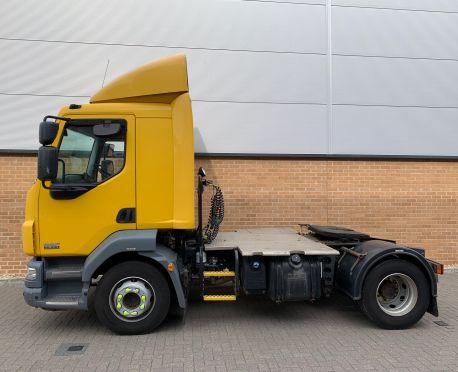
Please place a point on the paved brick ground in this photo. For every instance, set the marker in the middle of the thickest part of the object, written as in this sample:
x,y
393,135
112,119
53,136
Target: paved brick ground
x,y
330,335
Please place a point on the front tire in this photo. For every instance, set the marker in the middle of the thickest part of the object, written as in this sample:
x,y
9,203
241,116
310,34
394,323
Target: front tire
x,y
132,298
395,294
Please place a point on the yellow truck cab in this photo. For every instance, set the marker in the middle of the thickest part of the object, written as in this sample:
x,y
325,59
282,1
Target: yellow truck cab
x,y
113,209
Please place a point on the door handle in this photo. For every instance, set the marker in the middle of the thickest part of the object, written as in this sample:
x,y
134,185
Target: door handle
x,y
126,215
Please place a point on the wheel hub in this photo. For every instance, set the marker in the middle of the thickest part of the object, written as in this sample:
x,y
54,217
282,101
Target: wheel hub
x,y
397,294
131,299
389,289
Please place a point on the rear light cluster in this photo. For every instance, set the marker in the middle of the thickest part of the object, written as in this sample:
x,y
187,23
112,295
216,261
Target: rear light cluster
x,y
437,267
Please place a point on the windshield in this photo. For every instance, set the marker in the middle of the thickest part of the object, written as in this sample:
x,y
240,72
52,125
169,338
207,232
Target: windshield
x,y
86,158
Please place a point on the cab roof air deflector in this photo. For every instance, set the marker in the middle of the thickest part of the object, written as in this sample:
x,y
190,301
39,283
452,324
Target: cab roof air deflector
x,y
160,81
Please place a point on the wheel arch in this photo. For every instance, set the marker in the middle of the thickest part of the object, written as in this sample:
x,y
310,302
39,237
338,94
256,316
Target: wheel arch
x,y
350,277
137,245
134,256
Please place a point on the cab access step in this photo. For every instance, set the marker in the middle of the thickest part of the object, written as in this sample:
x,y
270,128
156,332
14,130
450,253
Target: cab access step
x,y
216,288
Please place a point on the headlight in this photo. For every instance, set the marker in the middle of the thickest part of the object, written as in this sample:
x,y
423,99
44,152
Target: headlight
x,y
31,273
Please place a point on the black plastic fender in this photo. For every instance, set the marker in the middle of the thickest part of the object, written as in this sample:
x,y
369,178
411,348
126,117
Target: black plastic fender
x,y
141,242
352,269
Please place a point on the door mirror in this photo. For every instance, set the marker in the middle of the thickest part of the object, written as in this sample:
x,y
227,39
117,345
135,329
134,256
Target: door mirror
x,y
48,132
47,163
107,130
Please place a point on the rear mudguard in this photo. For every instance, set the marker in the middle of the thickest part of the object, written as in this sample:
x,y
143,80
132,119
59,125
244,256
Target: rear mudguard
x,y
351,270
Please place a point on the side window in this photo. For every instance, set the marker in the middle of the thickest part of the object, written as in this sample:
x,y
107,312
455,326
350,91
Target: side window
x,y
74,154
87,158
112,159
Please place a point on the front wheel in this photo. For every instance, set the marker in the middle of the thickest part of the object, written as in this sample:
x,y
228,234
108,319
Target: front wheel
x,y
395,294
132,298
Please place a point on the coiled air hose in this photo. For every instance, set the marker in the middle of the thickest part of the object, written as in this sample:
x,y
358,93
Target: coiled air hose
x,y
216,215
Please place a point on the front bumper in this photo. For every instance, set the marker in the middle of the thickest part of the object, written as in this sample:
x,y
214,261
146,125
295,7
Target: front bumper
x,y
57,294
35,290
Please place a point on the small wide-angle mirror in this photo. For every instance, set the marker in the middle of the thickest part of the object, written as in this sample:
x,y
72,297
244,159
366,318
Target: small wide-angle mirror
x,y
107,129
47,132
47,163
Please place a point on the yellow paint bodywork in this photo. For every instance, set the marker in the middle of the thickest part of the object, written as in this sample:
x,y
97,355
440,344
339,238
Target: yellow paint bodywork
x,y
30,226
165,185
166,77
183,163
155,174
220,297
79,225
218,274
157,178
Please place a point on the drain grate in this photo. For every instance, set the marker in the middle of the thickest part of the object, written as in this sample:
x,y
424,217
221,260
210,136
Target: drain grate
x,y
71,349
441,323
75,348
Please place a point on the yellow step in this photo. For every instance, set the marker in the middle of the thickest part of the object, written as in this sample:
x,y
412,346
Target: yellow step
x,y
218,273
220,298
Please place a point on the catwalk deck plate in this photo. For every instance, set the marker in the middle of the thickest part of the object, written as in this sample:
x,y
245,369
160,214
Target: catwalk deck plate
x,y
269,242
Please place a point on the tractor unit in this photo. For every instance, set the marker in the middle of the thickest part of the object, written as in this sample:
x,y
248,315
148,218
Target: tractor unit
x,y
113,214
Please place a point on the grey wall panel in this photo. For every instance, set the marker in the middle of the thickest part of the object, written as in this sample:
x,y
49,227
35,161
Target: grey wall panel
x,y
44,68
20,117
214,76
205,24
258,71
260,128
395,131
399,82
258,77
369,31
299,2
428,5
76,65
238,76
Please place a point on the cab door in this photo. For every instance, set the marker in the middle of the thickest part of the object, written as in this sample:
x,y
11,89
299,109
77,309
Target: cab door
x,y
101,165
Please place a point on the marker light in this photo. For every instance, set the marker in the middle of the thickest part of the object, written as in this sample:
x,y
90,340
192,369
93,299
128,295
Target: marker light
x,y
31,273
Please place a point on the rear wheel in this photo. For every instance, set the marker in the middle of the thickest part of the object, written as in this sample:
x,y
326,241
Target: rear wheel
x,y
132,298
395,294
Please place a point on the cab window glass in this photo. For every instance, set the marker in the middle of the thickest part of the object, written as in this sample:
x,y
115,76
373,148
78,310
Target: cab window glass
x,y
85,158
112,160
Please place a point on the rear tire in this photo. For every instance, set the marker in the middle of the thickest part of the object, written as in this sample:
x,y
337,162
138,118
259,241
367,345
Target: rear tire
x,y
132,298
395,294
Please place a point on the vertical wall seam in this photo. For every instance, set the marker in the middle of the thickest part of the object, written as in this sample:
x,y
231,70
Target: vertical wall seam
x,y
329,75
328,105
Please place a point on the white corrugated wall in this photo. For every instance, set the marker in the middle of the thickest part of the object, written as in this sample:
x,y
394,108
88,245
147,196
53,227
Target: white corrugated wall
x,y
266,77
